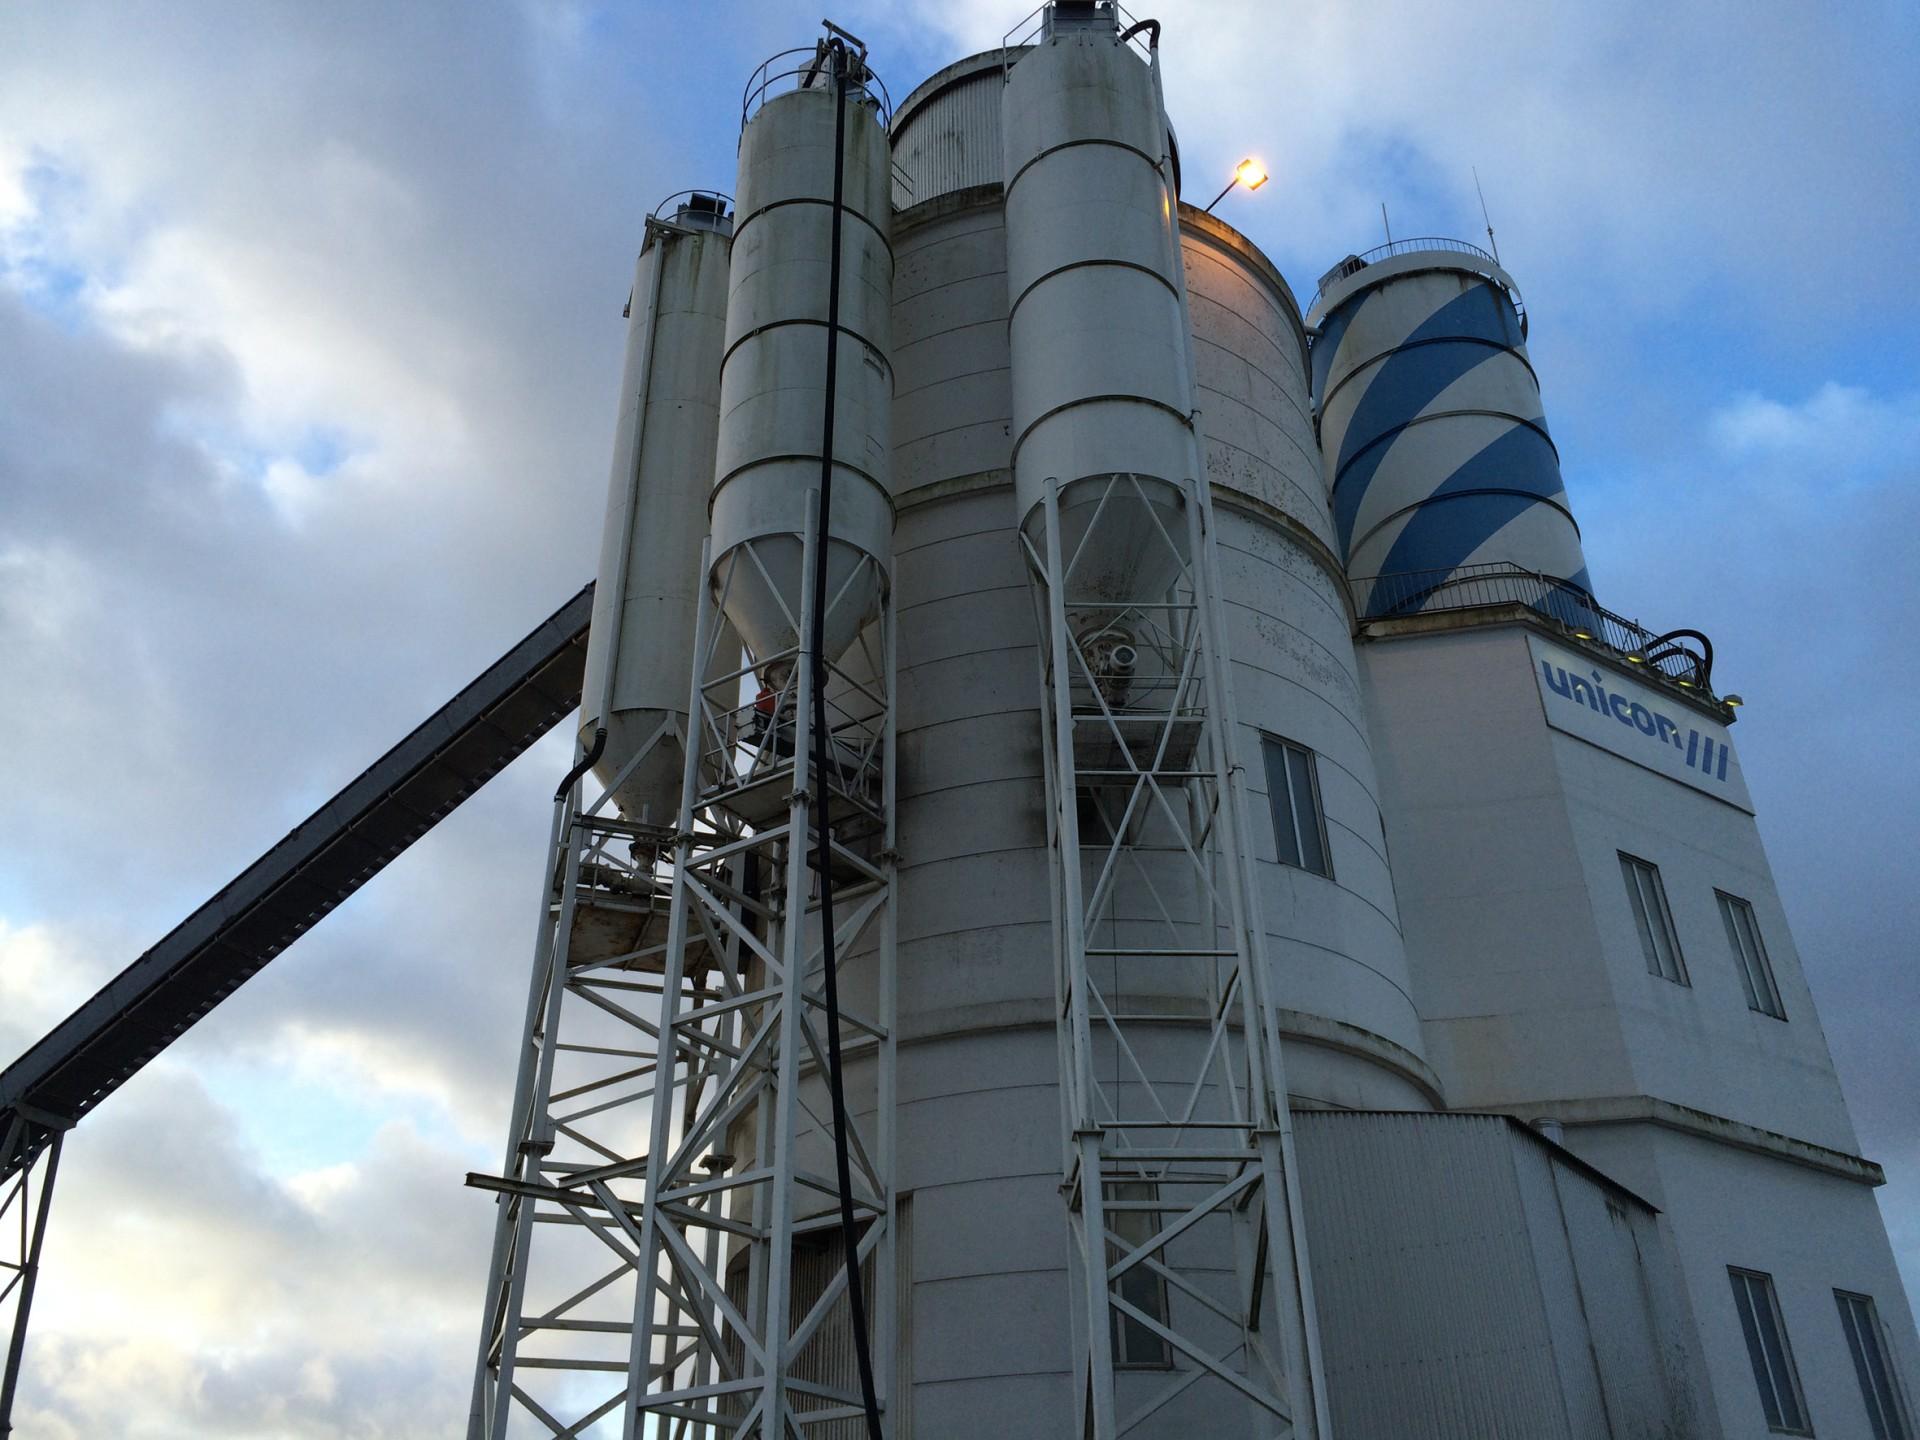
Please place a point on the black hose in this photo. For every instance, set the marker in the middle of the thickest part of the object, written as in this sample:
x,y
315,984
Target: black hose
x,y
822,793
586,763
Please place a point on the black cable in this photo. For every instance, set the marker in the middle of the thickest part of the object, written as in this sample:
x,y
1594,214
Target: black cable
x,y
823,856
586,761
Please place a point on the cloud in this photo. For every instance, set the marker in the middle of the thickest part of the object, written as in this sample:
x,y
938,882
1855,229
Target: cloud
x,y
1845,433
199,1296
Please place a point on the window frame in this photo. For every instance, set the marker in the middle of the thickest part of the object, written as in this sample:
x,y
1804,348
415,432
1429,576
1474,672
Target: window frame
x,y
1270,746
1883,1394
1633,870
1733,909
1124,1329
1763,1358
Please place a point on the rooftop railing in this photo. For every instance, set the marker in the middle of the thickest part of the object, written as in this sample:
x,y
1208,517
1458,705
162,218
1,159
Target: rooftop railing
x,y
1668,657
1354,264
805,68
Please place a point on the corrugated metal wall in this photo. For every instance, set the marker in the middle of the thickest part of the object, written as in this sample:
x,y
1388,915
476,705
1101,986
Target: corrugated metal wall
x,y
1431,1315
951,141
1475,1283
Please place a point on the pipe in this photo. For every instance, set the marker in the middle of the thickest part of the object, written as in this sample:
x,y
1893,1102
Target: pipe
x,y
586,762
823,791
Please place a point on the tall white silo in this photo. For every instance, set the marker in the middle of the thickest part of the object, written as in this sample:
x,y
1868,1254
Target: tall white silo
x,y
640,648
773,379
1177,1165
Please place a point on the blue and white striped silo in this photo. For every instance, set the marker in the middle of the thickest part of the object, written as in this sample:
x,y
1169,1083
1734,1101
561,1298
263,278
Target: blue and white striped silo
x,y
1443,481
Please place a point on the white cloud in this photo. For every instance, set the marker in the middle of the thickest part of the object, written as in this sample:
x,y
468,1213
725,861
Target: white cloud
x,y
1837,429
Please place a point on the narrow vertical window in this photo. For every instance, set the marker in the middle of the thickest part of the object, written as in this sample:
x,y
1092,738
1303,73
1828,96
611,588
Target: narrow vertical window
x,y
1886,1410
1648,897
1132,1218
1293,789
1756,971
1772,1359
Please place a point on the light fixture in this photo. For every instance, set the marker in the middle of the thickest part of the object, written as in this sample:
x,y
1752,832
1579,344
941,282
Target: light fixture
x,y
1249,173
1732,702
1583,635
1636,659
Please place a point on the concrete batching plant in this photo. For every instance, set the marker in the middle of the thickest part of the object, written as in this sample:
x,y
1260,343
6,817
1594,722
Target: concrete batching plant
x,y
1152,618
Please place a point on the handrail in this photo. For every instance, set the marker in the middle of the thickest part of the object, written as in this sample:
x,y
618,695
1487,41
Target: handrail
x,y
1413,246
1032,27
761,83
726,209
1467,587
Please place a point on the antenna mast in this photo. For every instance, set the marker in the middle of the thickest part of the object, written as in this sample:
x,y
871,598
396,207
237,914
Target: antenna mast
x,y
1491,242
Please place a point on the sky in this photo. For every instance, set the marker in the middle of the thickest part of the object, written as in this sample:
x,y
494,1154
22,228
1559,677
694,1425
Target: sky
x,y
309,344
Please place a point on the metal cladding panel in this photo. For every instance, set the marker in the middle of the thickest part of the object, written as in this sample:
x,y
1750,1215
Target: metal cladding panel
x,y
663,458
1251,374
951,140
772,384
1474,1280
1434,446
1097,329
1430,1311
953,396
1624,1335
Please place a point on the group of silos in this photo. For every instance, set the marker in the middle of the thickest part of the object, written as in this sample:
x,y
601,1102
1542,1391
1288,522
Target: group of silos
x,y
1020,317
720,425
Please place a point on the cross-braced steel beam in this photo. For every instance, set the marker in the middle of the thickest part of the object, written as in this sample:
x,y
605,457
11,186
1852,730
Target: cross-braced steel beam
x,y
1187,1249
31,1150
666,1260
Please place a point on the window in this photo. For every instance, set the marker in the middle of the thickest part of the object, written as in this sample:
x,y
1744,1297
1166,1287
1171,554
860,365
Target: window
x,y
1293,789
1743,934
1655,922
1874,1368
1773,1372
1141,1287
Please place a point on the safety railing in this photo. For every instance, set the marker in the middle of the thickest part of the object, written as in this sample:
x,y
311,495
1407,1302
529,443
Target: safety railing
x,y
805,67
1034,27
1428,592
1418,244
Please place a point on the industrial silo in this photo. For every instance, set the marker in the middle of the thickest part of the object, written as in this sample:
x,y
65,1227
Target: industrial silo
x,y
798,151
1036,315
640,651
979,1063
1444,482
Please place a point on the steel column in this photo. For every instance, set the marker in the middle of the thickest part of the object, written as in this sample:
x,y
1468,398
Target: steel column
x,y
1177,1146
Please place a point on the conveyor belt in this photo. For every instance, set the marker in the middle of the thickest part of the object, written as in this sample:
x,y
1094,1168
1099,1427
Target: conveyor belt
x,y
275,900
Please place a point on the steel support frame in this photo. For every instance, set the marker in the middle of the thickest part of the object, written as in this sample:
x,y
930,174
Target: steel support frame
x,y
688,1157
1180,1103
24,1206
